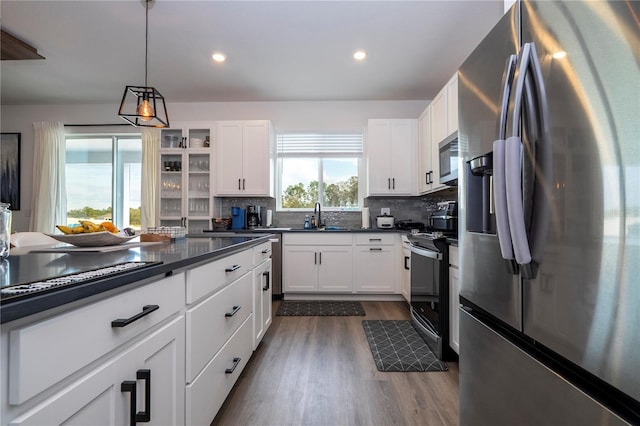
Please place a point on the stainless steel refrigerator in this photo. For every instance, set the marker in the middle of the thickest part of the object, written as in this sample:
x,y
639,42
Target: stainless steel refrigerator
x,y
549,201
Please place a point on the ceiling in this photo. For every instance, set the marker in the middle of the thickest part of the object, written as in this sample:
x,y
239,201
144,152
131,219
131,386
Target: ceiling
x,y
276,50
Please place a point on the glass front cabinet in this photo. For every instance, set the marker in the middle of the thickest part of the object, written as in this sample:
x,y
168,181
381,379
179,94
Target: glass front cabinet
x,y
186,186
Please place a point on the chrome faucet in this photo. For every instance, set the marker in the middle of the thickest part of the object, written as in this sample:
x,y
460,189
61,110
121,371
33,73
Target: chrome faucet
x,y
317,211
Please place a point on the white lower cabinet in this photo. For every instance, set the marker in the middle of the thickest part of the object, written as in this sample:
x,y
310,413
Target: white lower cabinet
x,y
406,269
339,263
223,312
375,263
318,268
335,268
454,296
167,352
205,395
221,329
261,301
143,383
317,263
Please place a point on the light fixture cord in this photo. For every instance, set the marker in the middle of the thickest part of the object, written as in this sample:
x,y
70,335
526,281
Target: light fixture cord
x,y
146,40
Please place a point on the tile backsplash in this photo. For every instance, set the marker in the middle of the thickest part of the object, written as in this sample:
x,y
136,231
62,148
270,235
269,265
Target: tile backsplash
x,y
414,209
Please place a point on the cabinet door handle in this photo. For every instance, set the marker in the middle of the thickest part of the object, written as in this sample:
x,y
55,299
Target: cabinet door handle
x,y
145,416
315,258
394,183
375,249
266,275
238,184
236,361
123,322
130,386
320,257
233,312
406,265
233,268
388,183
243,184
426,178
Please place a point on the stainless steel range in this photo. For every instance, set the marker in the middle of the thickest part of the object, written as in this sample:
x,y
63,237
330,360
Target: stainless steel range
x,y
430,280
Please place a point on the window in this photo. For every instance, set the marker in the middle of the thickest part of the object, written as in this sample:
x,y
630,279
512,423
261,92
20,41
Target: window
x,y
103,175
323,168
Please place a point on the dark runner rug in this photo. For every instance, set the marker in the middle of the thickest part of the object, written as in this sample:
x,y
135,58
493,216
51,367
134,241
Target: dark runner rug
x,y
397,346
320,308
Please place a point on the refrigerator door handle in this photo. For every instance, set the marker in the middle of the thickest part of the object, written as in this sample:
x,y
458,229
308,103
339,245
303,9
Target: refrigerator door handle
x,y
529,66
507,82
513,167
513,177
500,200
498,203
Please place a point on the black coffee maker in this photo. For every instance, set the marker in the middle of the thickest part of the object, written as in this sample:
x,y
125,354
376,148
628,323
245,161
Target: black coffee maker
x,y
254,217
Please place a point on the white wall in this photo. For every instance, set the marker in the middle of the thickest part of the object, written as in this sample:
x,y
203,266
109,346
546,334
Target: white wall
x,y
348,115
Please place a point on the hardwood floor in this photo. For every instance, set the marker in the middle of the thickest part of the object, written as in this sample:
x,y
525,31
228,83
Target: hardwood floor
x,y
320,371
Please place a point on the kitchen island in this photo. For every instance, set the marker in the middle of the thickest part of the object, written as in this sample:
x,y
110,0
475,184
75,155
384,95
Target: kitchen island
x,y
163,343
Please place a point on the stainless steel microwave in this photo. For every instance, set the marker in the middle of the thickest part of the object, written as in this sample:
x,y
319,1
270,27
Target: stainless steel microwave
x,y
449,161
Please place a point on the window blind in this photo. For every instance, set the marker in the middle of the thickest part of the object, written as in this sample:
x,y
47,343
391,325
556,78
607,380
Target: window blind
x,y
320,144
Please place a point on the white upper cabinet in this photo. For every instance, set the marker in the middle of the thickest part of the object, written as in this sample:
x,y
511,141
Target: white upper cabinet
x,y
438,122
452,105
444,111
425,169
244,154
439,117
391,153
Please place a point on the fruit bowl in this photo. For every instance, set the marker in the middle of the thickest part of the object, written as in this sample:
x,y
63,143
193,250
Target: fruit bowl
x,y
93,239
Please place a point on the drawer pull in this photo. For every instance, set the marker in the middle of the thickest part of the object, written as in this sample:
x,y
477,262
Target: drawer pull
x,y
265,251
375,239
233,268
145,416
266,275
146,310
130,386
233,312
375,249
406,264
236,361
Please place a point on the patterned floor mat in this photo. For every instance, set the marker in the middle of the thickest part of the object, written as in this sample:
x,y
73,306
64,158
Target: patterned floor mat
x,y
397,346
320,308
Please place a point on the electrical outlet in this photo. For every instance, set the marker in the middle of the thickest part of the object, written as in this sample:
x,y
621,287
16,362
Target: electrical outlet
x,y
385,211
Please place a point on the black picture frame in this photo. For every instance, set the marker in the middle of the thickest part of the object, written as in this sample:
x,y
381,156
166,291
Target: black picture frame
x,y
10,169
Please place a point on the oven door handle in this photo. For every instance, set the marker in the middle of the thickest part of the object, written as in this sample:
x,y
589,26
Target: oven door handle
x,y
426,253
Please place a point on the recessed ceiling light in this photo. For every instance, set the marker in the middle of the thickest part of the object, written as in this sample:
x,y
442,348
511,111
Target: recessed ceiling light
x,y
219,57
359,55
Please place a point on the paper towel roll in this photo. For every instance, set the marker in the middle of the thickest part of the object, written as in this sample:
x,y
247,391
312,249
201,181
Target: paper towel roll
x,y
365,218
269,218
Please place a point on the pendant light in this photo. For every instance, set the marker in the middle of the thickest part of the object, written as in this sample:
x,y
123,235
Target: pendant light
x,y
144,106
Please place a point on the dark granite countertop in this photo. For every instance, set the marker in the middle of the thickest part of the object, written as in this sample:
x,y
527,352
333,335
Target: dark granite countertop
x,y
296,230
181,254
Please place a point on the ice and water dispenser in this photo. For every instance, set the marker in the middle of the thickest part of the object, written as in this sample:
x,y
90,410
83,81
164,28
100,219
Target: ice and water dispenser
x,y
479,195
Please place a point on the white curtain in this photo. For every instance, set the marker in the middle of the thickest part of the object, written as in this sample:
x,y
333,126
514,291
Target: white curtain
x,y
49,198
149,190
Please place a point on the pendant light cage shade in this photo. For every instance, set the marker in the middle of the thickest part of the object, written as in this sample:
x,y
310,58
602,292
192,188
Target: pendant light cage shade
x,y
143,107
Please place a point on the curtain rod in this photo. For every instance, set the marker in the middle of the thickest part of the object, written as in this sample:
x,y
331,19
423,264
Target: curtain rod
x,y
96,125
